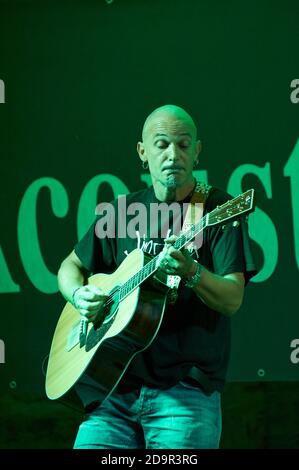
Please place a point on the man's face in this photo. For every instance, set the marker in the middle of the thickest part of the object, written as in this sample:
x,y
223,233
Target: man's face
x,y
170,148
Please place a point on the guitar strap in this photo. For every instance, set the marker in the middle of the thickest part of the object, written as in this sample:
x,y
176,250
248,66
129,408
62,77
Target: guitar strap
x,y
193,215
196,206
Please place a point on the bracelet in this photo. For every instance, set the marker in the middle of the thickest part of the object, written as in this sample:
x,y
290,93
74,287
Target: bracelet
x,y
73,296
196,277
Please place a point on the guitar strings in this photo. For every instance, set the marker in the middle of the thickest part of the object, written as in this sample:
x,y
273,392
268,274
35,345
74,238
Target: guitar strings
x,y
183,239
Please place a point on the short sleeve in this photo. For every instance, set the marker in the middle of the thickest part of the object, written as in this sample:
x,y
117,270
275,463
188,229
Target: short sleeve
x,y
231,250
96,254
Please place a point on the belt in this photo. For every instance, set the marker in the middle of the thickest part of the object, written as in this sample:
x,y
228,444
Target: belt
x,y
196,374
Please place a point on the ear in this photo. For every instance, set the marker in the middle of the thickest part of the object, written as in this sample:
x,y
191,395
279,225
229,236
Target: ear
x,y
141,151
198,147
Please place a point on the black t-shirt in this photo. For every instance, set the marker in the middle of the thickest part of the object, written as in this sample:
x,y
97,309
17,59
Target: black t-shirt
x,y
191,333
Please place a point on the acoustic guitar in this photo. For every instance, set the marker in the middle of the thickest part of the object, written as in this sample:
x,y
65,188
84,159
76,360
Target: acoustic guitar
x,y
137,295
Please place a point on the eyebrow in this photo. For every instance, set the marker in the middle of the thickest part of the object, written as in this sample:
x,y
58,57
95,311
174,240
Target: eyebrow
x,y
164,135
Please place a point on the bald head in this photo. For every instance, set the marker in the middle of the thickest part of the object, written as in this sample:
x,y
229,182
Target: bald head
x,y
168,112
171,149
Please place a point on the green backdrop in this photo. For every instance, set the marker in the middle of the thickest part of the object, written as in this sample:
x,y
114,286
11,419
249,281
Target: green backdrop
x,y
78,79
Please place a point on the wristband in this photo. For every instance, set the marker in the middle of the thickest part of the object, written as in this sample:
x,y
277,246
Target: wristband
x,y
196,277
73,296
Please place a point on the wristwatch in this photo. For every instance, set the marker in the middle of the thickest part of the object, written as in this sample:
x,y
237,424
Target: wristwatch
x,y
195,278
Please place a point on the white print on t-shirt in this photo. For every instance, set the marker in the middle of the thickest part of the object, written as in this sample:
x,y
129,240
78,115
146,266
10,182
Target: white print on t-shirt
x,y
153,248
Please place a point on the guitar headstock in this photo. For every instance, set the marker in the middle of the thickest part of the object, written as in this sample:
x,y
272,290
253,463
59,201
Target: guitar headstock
x,y
237,206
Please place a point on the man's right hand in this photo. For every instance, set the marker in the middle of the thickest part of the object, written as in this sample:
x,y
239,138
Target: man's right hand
x,y
89,300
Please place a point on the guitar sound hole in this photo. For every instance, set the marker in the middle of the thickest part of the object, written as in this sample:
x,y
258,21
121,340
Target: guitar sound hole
x,y
111,310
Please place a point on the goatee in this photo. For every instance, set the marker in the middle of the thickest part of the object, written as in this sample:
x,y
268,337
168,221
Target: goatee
x,y
171,182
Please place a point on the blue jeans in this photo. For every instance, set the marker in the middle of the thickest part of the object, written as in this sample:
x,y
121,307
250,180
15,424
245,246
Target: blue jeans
x,y
181,417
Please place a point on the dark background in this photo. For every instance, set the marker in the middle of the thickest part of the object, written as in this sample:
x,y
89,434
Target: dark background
x,y
80,78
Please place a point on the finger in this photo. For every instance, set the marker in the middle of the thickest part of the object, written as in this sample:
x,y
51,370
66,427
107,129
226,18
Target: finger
x,y
171,240
161,257
90,316
176,255
87,305
92,296
168,265
163,267
84,313
85,293
173,259
171,268
94,307
99,298
95,290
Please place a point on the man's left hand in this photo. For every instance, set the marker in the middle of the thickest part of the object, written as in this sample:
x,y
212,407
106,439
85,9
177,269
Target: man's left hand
x,y
176,262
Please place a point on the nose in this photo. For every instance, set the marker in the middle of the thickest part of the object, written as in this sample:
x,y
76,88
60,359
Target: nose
x,y
173,152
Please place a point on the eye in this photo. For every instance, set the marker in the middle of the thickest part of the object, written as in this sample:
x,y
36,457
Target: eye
x,y
185,144
161,144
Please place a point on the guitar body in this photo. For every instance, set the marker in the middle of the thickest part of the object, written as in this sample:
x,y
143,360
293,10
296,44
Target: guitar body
x,y
129,328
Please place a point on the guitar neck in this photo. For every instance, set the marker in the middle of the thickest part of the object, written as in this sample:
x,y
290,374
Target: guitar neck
x,y
152,266
188,235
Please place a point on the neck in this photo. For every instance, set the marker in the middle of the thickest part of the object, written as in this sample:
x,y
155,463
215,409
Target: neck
x,y
172,192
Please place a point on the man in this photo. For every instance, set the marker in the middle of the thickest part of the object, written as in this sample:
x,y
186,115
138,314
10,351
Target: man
x,y
157,404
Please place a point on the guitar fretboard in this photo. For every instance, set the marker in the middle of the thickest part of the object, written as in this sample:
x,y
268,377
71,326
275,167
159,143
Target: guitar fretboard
x,y
149,268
